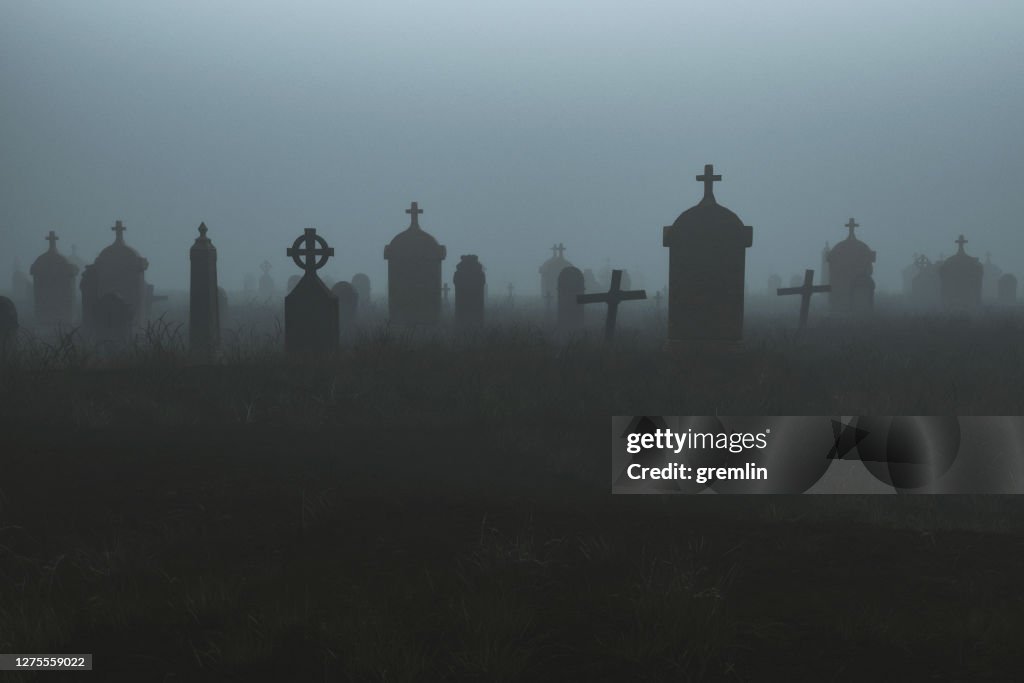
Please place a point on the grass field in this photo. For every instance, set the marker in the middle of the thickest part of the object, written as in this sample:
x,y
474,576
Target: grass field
x,y
427,507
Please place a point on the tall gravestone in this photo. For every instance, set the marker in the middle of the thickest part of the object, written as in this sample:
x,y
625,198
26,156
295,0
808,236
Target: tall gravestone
x,y
361,281
120,271
960,280
1007,295
203,295
470,283
570,310
53,284
850,264
707,262
414,274
310,309
348,305
550,270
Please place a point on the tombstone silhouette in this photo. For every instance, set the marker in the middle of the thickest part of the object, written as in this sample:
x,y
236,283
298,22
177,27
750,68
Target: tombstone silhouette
x,y
470,283
53,284
118,269
348,305
361,281
414,274
925,289
552,268
311,323
960,279
805,291
8,323
707,261
570,310
1007,294
613,297
203,296
850,264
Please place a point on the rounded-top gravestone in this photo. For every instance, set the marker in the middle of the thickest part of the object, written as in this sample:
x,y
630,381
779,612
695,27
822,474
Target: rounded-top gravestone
x,y
470,283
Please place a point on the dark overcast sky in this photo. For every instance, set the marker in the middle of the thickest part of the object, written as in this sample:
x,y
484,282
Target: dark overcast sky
x,y
514,125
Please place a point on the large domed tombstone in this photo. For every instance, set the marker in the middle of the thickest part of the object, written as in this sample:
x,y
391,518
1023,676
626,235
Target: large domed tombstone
x,y
707,264
551,269
470,284
53,284
311,323
960,280
414,274
120,270
850,264
570,310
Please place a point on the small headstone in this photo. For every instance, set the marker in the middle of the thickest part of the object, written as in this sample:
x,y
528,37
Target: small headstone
x,y
414,274
960,279
570,310
925,289
361,281
267,288
550,269
348,305
310,310
470,283
53,279
1007,290
613,297
850,264
203,296
805,291
8,323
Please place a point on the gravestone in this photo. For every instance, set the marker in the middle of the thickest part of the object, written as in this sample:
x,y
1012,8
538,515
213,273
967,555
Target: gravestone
x,y
960,278
267,288
910,272
1007,295
805,291
311,323
53,280
850,264
707,262
414,274
361,281
120,270
470,283
348,306
570,310
613,297
550,269
8,324
203,296
294,280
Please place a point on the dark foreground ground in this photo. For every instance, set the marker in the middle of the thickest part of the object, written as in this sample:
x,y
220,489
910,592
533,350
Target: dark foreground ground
x,y
421,510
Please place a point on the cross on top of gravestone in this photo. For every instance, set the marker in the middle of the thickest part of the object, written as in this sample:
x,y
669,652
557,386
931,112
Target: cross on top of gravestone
x,y
709,178
119,229
805,291
613,297
557,250
414,210
52,239
852,224
310,251
960,242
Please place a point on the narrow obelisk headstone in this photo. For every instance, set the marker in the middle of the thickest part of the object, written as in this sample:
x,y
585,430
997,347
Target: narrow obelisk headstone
x,y
805,291
570,310
470,283
310,309
203,296
613,297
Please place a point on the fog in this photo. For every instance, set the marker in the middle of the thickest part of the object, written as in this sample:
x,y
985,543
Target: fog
x,y
514,126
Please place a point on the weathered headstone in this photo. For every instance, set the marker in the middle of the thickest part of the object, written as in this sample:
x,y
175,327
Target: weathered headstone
x,y
960,278
118,269
267,287
707,264
613,297
348,306
550,269
53,283
310,309
8,324
203,296
414,274
361,281
805,291
850,264
1007,289
470,282
570,310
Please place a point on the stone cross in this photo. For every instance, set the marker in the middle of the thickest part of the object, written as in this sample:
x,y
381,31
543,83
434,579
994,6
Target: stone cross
x,y
414,210
613,297
851,224
313,252
960,242
557,250
119,229
805,291
709,178
52,239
